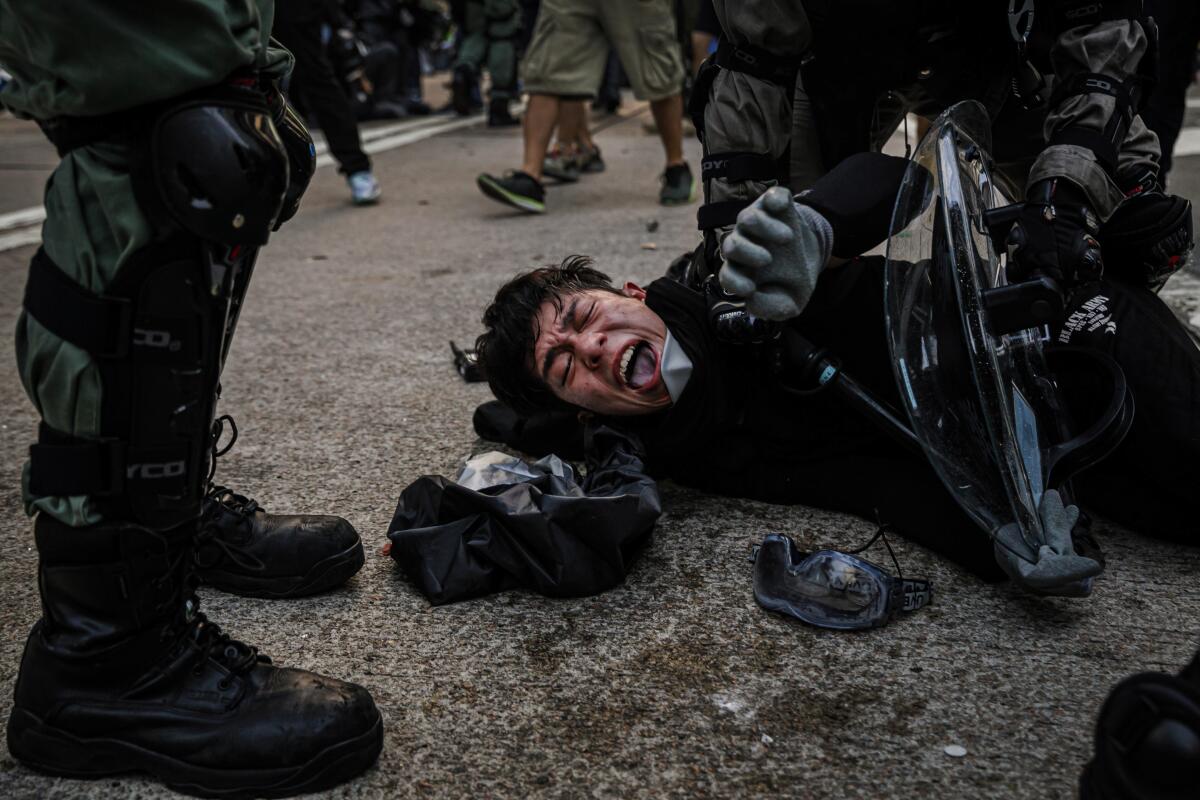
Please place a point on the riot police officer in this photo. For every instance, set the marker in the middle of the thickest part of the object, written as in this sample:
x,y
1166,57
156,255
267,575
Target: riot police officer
x,y
179,157
795,87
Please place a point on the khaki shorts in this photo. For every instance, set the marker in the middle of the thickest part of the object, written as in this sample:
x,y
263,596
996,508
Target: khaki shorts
x,y
570,43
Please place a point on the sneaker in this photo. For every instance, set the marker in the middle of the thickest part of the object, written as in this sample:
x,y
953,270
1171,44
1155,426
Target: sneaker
x,y
244,550
364,189
591,162
678,186
517,189
562,165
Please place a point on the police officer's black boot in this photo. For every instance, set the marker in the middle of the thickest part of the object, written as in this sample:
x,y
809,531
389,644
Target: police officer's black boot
x,y
123,674
499,115
243,549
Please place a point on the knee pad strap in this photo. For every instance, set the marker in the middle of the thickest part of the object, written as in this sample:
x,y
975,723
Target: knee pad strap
x,y
157,340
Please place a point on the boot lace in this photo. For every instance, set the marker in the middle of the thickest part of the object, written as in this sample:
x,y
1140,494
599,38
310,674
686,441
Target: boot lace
x,y
212,536
187,624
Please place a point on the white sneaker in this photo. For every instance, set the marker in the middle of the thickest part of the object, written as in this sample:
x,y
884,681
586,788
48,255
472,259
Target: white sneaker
x,y
364,189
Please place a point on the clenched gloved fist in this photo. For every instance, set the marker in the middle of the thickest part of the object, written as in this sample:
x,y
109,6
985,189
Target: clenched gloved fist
x,y
1055,568
775,255
1055,236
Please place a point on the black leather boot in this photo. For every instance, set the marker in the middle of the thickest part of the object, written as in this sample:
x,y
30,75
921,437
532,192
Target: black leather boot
x,y
245,550
499,115
123,674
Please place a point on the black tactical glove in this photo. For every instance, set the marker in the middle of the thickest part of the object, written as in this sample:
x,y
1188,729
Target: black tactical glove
x,y
301,152
729,319
1055,236
1148,239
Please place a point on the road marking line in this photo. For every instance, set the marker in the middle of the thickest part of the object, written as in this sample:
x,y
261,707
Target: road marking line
x,y
22,218
1188,143
371,134
21,238
390,142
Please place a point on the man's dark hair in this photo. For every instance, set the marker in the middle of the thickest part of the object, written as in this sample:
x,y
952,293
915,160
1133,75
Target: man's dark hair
x,y
505,348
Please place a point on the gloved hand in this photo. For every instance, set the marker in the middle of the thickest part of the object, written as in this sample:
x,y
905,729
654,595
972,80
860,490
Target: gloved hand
x,y
1055,235
1055,568
301,153
1148,238
775,255
729,319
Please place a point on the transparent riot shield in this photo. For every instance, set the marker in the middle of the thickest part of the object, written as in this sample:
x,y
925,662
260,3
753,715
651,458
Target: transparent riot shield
x,y
973,397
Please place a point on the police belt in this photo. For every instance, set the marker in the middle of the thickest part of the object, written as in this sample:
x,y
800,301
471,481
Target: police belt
x,y
68,133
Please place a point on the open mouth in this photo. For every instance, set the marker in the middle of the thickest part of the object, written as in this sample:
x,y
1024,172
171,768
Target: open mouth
x,y
638,365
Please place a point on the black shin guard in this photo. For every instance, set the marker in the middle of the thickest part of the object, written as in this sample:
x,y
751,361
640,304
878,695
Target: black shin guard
x,y
158,338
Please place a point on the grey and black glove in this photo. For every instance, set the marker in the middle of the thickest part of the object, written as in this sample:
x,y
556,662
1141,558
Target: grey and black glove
x,y
1148,239
1055,236
1053,568
775,254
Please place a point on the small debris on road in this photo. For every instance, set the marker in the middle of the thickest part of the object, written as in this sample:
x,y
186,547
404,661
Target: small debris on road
x,y
955,750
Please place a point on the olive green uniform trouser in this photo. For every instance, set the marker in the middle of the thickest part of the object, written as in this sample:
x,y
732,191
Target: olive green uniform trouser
x,y
489,39
93,227
81,58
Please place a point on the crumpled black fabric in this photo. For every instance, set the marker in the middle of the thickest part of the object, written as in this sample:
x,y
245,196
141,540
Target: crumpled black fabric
x,y
455,543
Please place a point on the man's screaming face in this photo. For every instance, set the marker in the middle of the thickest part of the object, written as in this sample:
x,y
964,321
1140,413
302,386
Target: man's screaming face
x,y
602,351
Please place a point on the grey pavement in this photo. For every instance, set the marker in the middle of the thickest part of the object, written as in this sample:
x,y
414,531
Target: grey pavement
x,y
673,685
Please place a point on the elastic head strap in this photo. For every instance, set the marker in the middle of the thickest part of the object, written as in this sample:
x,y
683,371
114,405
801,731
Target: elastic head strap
x,y
916,594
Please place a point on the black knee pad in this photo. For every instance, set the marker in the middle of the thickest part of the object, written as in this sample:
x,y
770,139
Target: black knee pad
x,y
217,165
157,338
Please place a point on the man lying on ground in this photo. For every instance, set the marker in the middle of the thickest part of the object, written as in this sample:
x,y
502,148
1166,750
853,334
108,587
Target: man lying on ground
x,y
715,414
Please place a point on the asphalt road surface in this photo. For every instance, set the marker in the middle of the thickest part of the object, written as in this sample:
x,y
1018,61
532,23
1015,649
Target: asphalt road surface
x,y
673,685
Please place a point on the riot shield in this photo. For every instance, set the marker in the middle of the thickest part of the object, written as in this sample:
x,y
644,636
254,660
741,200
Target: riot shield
x,y
974,397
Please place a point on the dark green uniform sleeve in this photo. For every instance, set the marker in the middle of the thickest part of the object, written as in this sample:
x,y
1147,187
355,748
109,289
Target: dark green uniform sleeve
x,y
82,58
